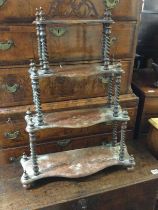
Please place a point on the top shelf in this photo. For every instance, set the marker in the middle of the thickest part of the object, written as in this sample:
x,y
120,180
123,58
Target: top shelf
x,y
77,21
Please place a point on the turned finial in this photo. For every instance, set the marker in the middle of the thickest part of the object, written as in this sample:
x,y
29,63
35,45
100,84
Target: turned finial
x,y
37,14
107,15
41,14
125,114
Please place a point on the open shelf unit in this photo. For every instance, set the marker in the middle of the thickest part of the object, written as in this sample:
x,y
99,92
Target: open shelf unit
x,y
86,161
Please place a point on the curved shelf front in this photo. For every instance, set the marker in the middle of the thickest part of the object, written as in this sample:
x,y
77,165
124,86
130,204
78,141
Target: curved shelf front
x,y
81,118
75,163
65,71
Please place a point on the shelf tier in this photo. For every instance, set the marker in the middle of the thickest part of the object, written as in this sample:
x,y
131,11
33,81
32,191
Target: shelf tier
x,y
75,163
75,21
81,118
95,70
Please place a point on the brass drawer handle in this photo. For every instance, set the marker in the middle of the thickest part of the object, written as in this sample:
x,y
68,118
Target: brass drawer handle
x,y
2,2
11,89
58,31
6,45
12,135
113,40
63,143
104,80
110,4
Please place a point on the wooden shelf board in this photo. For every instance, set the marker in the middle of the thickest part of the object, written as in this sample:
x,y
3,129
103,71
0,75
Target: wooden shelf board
x,y
74,163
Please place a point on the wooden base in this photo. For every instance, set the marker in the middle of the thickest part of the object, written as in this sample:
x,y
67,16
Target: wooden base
x,y
74,163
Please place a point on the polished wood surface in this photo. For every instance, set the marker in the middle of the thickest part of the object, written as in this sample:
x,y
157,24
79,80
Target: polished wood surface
x,y
110,189
77,44
19,11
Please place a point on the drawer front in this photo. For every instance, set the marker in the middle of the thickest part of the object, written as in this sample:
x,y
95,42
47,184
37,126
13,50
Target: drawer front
x,y
23,11
12,154
18,43
15,85
79,42
13,131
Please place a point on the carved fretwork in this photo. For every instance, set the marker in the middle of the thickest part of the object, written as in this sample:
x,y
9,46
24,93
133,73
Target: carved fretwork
x,y
72,8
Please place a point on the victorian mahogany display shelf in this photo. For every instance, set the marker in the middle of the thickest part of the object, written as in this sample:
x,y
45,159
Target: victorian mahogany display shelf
x,y
86,161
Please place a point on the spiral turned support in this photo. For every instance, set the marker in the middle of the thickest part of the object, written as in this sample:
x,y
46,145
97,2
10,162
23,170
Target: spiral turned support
x,y
106,39
110,91
114,133
38,38
43,41
122,142
36,92
32,139
117,95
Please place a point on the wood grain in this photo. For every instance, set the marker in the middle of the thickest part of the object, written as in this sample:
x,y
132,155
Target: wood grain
x,y
19,11
77,44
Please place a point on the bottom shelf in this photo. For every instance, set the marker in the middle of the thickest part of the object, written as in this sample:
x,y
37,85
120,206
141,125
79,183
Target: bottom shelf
x,y
75,163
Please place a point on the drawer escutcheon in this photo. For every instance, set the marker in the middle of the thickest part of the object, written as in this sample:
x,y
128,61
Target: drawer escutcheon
x,y
2,2
11,89
12,135
6,45
63,143
110,4
58,31
113,40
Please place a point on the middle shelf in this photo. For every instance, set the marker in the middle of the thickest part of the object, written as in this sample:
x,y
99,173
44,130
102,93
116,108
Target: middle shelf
x,y
81,118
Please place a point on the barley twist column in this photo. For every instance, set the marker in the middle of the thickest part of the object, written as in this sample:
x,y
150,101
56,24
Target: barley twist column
x,y
114,133
106,52
36,93
123,135
32,139
38,38
43,41
117,95
122,142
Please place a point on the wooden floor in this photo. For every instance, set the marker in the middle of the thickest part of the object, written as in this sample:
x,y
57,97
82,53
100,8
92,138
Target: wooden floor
x,y
53,191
